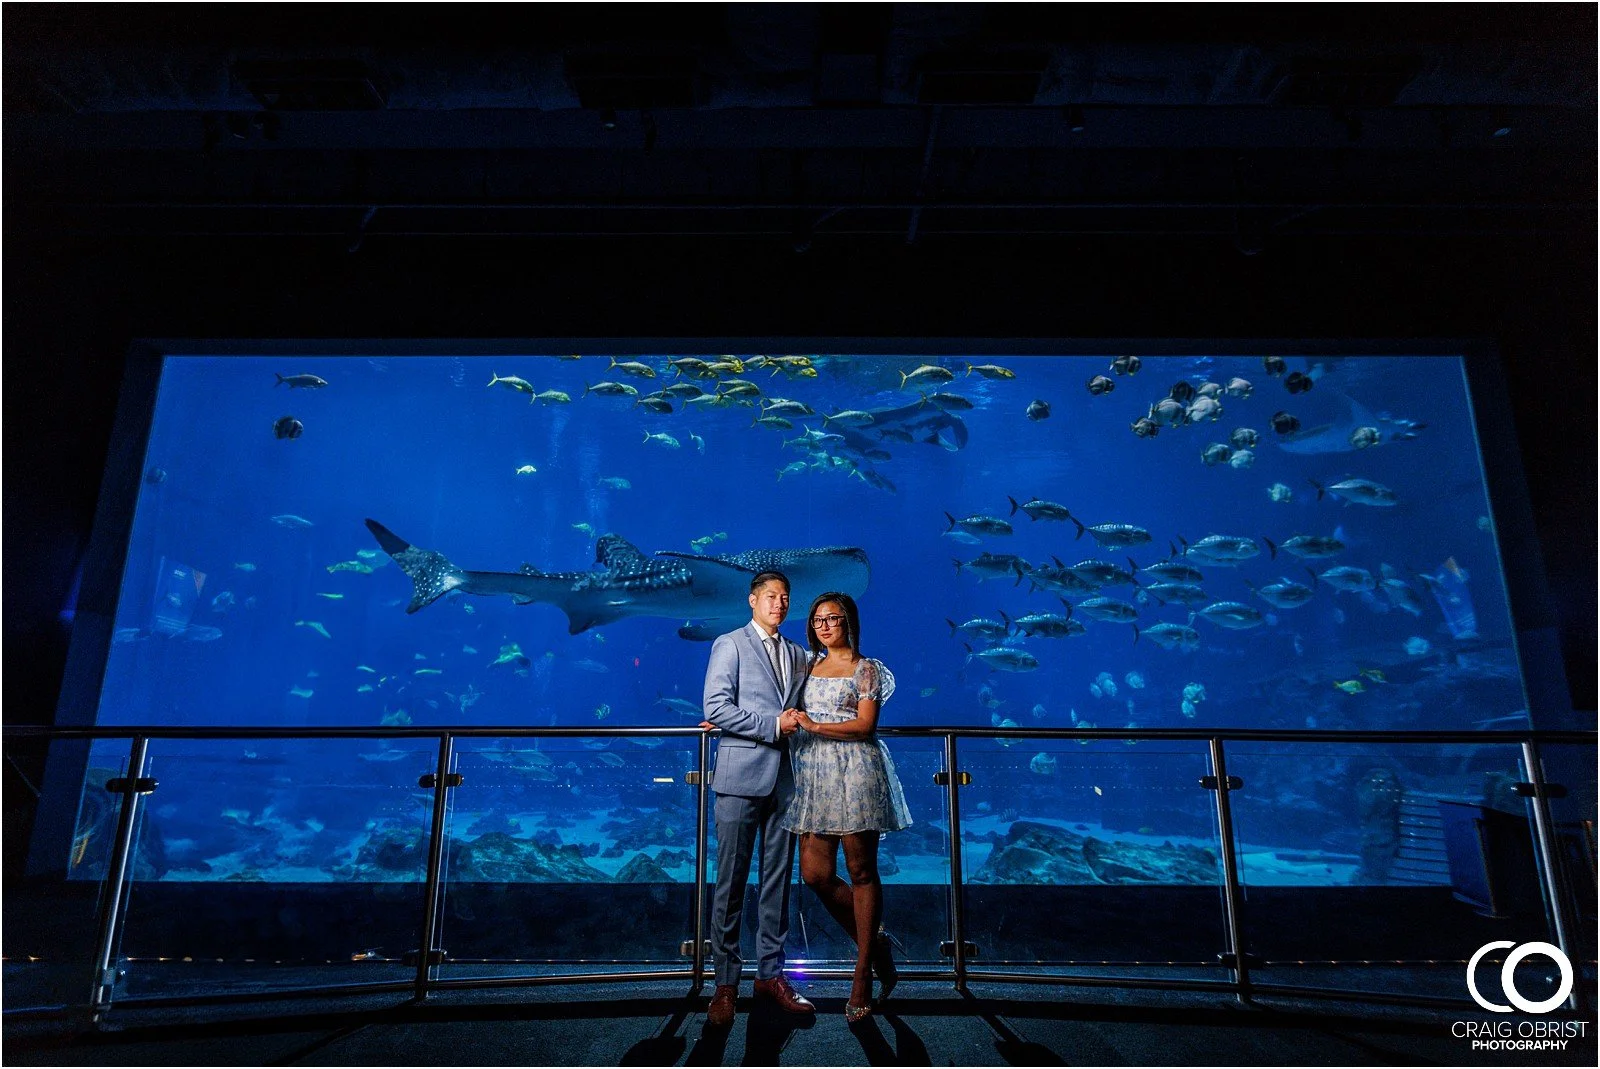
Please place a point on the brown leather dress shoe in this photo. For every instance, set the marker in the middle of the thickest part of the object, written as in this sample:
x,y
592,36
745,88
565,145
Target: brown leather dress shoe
x,y
788,999
723,1003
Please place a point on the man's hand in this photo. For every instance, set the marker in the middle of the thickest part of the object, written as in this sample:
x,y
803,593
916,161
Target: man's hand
x,y
706,725
789,722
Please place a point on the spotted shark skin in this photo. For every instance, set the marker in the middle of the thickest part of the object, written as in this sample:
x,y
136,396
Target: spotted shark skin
x,y
710,591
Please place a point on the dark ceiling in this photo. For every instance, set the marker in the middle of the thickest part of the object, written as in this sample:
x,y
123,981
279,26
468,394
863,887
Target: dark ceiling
x,y
823,121
965,170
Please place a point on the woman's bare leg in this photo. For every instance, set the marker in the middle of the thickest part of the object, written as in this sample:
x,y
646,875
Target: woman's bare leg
x,y
861,860
819,856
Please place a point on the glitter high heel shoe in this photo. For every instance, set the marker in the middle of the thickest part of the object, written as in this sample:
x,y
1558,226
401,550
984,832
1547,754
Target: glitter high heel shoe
x,y
855,1014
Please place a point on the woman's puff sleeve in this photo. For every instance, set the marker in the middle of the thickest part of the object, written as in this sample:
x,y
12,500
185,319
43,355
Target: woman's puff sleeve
x,y
874,681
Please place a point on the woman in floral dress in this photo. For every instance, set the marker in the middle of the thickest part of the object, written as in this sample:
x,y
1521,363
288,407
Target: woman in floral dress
x,y
845,788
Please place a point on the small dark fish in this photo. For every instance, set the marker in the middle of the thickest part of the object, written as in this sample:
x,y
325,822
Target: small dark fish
x,y
654,404
981,525
1050,625
1038,410
1060,578
1284,423
881,482
1126,365
1108,610
1244,438
287,427
1275,365
1175,571
989,565
981,627
1362,437
1167,410
1039,509
1181,593
1297,382
1145,427
950,402
1103,573
155,476
1182,392
1100,384
1114,534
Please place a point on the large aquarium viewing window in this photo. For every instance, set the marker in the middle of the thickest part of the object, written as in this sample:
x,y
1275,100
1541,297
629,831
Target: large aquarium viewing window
x,y
349,561
1037,541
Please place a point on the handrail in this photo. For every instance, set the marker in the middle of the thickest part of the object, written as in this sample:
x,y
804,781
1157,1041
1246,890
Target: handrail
x,y
1196,734
113,906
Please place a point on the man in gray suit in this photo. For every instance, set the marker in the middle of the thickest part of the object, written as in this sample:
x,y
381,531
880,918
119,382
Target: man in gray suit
x,y
752,685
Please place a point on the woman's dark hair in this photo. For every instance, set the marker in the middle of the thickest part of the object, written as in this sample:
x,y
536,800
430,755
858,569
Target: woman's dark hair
x,y
852,622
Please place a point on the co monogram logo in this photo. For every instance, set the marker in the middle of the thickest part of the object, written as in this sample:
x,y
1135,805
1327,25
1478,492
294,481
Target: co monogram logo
x,y
1508,980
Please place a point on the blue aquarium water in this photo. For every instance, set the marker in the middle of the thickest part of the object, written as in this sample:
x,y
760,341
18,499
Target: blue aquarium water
x,y
1204,541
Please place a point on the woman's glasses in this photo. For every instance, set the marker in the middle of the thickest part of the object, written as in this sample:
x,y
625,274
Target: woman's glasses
x,y
827,621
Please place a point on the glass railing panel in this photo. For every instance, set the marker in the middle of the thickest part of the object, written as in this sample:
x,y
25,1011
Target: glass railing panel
x,y
1091,857
564,852
1383,868
913,865
1569,771
60,823
278,864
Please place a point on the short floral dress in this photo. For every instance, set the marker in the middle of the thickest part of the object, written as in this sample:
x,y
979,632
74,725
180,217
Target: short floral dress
x,y
845,785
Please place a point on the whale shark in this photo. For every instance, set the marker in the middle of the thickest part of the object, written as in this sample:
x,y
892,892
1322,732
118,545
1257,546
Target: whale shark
x,y
711,592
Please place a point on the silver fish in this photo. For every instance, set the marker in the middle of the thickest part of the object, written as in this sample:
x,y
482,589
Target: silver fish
x,y
1360,492
1233,615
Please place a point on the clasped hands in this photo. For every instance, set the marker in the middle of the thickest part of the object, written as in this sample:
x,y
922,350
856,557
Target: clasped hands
x,y
793,720
789,721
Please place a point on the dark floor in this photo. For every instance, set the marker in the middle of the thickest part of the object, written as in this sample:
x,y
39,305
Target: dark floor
x,y
656,1024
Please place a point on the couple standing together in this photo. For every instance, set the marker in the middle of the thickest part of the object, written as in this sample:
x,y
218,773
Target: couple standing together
x,y
799,756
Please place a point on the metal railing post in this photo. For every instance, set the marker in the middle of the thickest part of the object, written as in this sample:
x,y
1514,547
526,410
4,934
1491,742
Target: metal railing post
x,y
431,895
114,906
701,846
958,917
1549,859
1231,893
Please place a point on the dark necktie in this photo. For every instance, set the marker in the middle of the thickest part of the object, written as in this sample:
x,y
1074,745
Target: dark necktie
x,y
771,642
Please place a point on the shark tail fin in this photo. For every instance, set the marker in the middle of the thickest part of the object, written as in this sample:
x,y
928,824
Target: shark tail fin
x,y
431,573
279,382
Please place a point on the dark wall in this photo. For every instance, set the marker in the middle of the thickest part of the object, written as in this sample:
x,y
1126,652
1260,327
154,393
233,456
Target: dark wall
x,y
72,305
